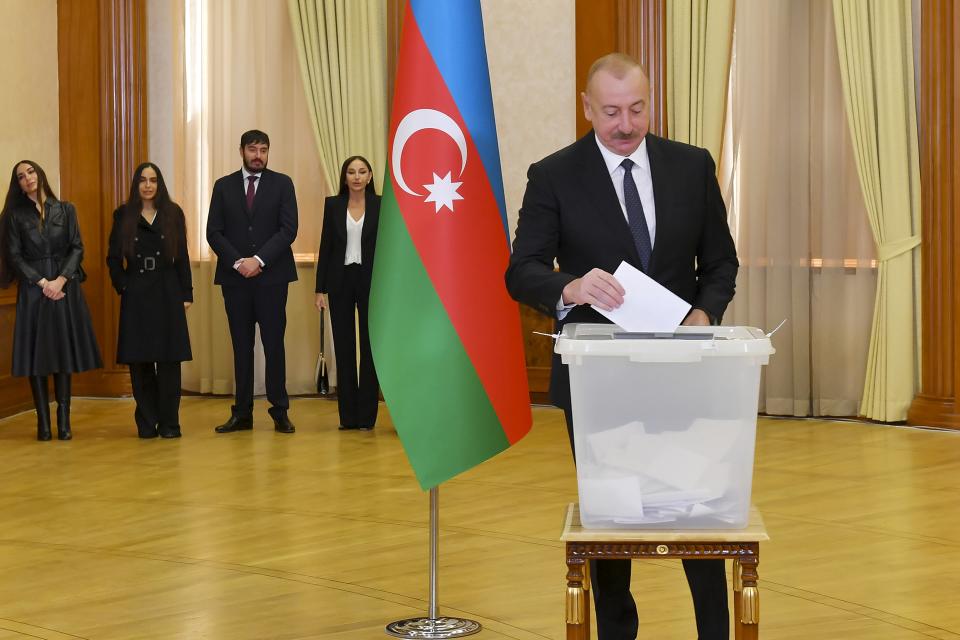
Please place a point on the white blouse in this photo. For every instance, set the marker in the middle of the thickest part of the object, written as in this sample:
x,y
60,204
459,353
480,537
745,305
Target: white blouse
x,y
354,231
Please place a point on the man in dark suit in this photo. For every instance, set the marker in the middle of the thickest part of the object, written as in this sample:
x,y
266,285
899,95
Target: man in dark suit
x,y
251,225
623,194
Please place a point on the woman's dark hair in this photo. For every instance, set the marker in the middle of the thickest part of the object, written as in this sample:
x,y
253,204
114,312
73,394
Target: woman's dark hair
x,y
343,174
15,199
172,224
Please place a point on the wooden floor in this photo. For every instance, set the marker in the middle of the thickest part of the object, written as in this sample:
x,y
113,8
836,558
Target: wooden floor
x,y
323,534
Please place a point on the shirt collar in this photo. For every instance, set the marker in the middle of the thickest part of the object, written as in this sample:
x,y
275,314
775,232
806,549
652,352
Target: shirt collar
x,y
612,160
247,174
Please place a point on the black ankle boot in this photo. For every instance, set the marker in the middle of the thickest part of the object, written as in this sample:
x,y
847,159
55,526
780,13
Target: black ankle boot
x,y
41,400
61,386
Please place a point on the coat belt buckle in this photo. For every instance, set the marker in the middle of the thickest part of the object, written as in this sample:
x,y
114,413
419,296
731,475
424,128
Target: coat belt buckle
x,y
149,263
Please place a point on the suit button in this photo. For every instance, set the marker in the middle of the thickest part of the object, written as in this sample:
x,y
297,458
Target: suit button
x,y
138,255
249,228
141,270
161,236
158,253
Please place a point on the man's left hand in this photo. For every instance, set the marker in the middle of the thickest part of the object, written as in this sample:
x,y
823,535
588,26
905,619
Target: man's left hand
x,y
249,267
696,318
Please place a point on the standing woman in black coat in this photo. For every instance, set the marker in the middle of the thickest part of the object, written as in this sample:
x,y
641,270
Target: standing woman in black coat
x,y
150,269
344,271
53,334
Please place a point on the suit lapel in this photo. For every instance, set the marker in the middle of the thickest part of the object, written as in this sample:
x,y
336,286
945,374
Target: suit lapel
x,y
661,194
599,185
370,216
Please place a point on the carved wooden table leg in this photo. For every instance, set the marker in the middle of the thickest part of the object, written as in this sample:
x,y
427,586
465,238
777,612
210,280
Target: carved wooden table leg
x,y
578,599
737,602
748,621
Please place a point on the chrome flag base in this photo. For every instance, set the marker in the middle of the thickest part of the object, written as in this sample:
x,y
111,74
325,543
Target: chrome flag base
x,y
432,628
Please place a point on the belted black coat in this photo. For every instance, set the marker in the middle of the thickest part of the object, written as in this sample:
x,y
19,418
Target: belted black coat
x,y
153,287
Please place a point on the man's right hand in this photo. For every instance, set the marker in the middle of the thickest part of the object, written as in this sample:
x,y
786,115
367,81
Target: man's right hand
x,y
597,287
320,302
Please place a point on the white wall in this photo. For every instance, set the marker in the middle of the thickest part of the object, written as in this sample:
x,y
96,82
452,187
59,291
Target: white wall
x,y
531,50
29,102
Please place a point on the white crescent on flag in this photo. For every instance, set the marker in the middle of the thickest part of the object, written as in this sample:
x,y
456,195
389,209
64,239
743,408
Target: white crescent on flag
x,y
419,120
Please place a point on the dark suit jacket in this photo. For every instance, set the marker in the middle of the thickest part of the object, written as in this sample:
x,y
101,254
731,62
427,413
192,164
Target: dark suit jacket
x,y
570,213
267,231
333,242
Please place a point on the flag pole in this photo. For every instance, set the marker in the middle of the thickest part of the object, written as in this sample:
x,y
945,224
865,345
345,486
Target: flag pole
x,y
433,626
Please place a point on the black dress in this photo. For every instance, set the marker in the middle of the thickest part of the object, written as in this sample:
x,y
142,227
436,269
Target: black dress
x,y
49,336
152,288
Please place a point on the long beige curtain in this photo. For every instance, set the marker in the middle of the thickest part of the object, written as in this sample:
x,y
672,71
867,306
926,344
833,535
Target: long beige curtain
x,y
341,46
699,37
796,210
876,61
238,70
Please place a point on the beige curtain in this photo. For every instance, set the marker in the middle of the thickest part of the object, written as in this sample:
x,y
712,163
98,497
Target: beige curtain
x,y
238,70
341,46
876,63
795,208
699,36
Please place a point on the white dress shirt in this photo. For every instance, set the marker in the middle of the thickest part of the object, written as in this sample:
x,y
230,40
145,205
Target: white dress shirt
x,y
354,231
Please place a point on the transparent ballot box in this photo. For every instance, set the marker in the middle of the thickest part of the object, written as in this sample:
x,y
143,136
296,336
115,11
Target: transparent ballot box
x,y
664,424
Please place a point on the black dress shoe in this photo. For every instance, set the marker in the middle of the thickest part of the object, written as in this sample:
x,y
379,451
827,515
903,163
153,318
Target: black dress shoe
x,y
282,424
365,427
146,432
169,432
235,423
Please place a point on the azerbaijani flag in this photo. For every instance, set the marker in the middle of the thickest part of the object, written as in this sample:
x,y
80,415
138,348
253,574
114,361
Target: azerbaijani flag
x,y
445,335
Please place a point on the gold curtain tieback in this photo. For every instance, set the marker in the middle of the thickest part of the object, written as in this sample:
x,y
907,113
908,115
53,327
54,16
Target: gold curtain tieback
x,y
889,250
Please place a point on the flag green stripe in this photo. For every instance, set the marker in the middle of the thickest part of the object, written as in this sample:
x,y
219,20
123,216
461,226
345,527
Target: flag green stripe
x,y
438,403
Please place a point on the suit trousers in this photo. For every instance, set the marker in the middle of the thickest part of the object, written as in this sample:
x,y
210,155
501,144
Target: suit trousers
x,y
357,396
156,389
616,609
248,306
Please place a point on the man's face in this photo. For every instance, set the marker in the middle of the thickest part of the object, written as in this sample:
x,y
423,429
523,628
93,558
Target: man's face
x,y
255,156
618,108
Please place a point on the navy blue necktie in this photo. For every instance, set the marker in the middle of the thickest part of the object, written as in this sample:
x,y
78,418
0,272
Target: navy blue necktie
x,y
635,217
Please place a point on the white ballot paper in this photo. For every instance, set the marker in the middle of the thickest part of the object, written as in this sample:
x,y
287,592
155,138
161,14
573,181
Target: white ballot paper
x,y
647,305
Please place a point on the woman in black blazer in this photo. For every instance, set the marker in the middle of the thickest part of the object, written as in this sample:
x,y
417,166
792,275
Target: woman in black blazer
x,y
150,269
344,270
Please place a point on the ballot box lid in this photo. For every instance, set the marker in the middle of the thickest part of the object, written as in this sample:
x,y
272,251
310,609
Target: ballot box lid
x,y
686,344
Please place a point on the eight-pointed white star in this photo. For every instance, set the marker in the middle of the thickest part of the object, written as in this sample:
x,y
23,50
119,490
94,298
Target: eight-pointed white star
x,y
443,192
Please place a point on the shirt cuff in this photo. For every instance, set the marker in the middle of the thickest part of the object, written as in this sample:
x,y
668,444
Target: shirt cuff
x,y
262,265
563,309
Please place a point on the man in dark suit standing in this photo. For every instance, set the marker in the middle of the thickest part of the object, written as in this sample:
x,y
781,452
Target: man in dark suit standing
x,y
251,225
623,194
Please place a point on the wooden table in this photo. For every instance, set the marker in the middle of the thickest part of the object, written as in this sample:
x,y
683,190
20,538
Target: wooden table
x,y
740,545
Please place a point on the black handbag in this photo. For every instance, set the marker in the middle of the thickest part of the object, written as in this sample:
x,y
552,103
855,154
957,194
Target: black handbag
x,y
323,384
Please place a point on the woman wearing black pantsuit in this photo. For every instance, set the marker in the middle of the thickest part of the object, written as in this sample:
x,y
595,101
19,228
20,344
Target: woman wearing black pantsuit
x,y
53,334
344,270
150,269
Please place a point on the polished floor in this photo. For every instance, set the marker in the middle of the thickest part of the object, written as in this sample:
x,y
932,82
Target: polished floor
x,y
323,534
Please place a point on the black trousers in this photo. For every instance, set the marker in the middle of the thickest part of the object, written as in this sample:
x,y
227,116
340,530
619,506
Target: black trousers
x,y
617,611
357,395
247,307
156,389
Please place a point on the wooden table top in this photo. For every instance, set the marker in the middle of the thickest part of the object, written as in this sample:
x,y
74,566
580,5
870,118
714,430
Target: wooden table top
x,y
573,531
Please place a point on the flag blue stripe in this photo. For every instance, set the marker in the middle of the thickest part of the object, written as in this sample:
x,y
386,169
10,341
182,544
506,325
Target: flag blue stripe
x,y
453,32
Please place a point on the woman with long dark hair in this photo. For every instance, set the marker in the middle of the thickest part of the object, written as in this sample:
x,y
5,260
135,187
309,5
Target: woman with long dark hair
x,y
344,272
41,250
150,269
